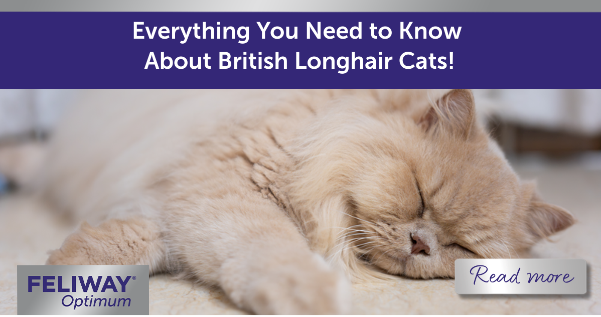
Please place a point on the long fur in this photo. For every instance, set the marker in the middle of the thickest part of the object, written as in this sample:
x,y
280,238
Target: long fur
x,y
270,194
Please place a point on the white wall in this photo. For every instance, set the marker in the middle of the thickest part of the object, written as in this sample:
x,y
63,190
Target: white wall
x,y
25,111
575,110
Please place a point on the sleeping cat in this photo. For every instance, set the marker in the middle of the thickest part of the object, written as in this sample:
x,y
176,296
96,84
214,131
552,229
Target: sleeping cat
x,y
281,197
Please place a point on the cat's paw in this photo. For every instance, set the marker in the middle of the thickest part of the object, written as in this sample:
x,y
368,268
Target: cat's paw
x,y
78,249
301,293
115,242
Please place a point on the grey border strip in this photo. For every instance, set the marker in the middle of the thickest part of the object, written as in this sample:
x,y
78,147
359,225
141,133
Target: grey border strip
x,y
302,5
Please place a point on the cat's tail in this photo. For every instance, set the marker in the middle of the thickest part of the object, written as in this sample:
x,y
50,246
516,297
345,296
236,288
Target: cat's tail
x,y
21,163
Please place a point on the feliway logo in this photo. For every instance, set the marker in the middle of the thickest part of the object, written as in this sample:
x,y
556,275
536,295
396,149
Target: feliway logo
x,y
82,289
48,286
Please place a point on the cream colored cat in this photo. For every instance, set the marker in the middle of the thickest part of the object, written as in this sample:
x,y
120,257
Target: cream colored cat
x,y
280,197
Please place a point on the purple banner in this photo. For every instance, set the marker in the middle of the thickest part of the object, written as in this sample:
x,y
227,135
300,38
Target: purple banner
x,y
271,50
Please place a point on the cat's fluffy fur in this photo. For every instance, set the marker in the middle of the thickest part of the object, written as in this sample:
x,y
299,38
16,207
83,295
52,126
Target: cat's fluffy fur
x,y
271,194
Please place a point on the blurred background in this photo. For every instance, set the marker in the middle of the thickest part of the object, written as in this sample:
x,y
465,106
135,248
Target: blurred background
x,y
553,136
552,126
554,122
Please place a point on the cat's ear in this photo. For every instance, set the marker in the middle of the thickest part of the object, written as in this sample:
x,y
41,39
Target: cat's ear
x,y
452,113
545,219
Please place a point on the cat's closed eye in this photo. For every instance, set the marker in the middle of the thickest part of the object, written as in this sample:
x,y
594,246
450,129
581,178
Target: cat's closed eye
x,y
421,196
456,245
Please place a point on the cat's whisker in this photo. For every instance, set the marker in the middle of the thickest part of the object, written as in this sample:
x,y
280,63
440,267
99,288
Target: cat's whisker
x,y
354,226
505,243
381,256
340,251
350,235
508,252
371,249
348,241
363,244
365,252
345,234
349,247
517,255
357,230
344,228
359,245
359,218
370,235
489,252
345,245
352,232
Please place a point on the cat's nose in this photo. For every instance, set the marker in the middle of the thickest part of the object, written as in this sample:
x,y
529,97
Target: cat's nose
x,y
418,245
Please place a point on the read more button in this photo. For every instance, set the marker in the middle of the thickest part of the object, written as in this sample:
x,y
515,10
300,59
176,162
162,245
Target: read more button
x,y
520,276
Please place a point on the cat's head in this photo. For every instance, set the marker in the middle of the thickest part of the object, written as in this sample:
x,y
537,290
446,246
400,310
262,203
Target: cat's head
x,y
446,193
425,186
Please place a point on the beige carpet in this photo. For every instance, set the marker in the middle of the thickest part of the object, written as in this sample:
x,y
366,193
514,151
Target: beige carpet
x,y
28,230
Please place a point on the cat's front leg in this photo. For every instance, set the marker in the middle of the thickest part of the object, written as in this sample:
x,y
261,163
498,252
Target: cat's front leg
x,y
284,281
135,240
250,248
